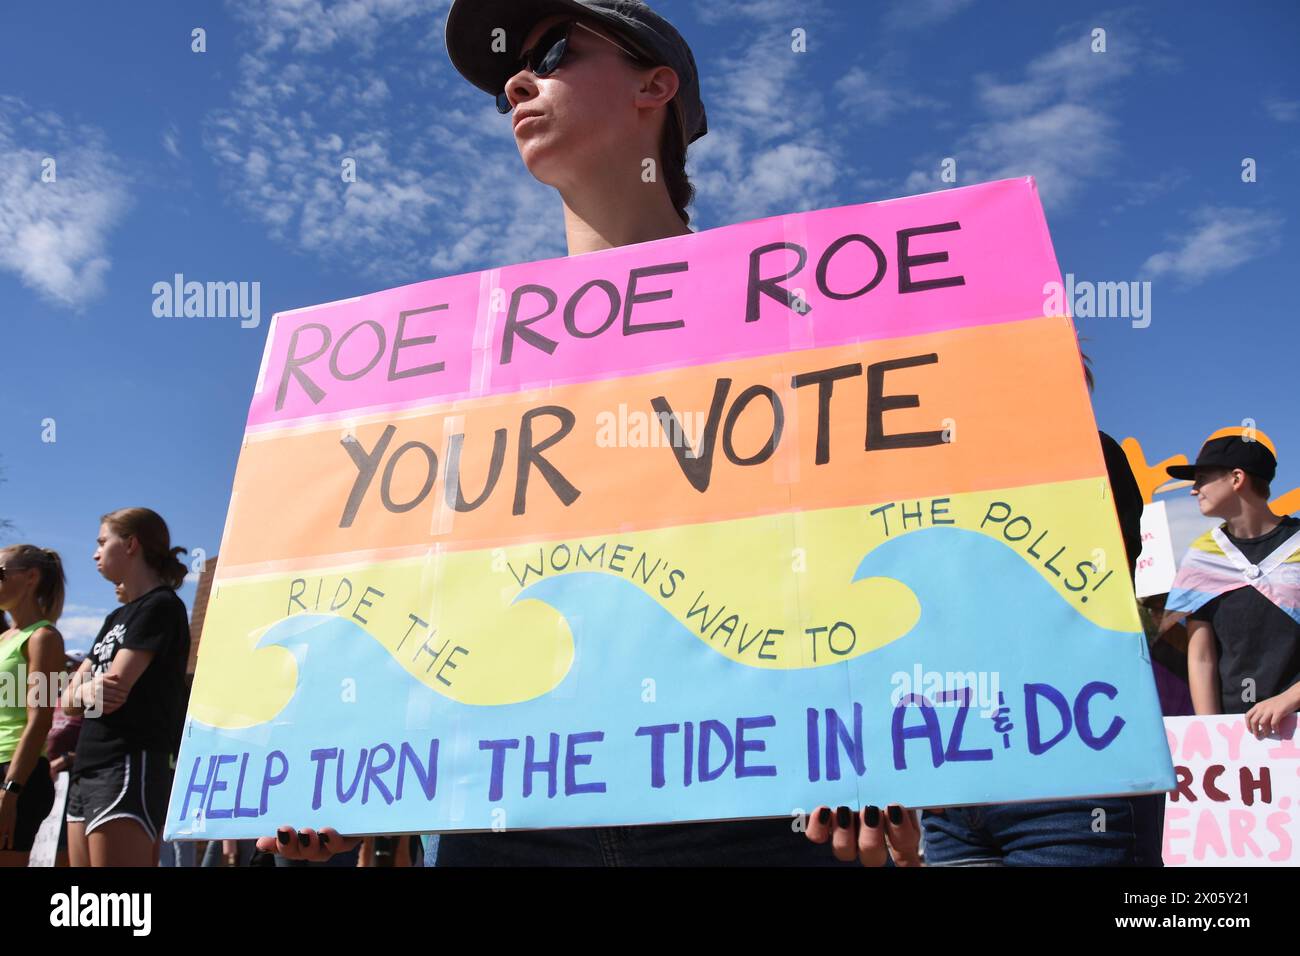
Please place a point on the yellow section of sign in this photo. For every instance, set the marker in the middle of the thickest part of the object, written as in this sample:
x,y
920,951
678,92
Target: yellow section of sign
x,y
770,592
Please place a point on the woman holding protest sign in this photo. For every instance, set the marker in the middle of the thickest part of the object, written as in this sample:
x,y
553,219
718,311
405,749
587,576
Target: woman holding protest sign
x,y
131,690
601,92
31,659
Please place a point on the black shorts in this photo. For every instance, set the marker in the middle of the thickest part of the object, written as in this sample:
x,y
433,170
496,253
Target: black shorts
x,y
135,787
34,804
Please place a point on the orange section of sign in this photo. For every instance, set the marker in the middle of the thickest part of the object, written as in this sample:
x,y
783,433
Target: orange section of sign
x,y
986,407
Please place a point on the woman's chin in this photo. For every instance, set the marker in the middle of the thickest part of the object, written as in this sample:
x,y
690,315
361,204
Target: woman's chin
x,y
541,163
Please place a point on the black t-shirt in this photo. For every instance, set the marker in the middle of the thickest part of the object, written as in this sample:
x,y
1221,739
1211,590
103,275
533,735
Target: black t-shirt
x,y
152,716
1255,638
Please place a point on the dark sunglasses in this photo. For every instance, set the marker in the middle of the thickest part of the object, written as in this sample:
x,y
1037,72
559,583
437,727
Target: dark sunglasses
x,y
545,58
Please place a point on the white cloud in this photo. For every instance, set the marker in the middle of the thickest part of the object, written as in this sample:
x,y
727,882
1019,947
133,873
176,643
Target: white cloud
x,y
84,609
756,11
314,26
911,14
1054,123
171,140
1220,239
767,151
439,186
1140,193
54,235
1284,111
766,104
867,97
747,183
79,630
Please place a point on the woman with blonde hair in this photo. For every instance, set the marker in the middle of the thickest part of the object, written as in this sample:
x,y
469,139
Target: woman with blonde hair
x,y
131,690
31,662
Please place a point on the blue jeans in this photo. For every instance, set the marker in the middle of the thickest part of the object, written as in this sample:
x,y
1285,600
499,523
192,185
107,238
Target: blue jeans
x,y
1055,833
212,856
734,843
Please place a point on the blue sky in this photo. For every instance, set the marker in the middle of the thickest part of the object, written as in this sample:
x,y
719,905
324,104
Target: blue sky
x,y
224,166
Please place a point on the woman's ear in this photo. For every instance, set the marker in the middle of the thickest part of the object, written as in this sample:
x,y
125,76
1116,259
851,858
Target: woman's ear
x,y
660,86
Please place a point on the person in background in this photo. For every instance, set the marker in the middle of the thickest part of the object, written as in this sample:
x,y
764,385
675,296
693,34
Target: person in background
x,y
384,851
228,853
1239,584
31,653
1167,639
61,749
131,690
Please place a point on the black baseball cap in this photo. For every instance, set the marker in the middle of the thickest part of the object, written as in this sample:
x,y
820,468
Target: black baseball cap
x,y
1229,452
470,26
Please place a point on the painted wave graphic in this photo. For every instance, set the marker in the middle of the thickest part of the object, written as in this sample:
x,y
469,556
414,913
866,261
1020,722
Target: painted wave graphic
x,y
983,610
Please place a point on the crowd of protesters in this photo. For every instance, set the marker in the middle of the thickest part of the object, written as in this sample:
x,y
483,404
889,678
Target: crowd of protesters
x,y
112,719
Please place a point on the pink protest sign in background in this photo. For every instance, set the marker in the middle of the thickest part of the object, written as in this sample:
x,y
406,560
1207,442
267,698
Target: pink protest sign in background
x,y
1237,798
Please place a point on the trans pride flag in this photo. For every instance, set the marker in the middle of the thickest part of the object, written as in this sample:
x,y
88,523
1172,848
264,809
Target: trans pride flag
x,y
1215,566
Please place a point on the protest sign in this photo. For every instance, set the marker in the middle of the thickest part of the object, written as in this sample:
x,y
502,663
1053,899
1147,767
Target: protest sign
x,y
805,510
1155,564
1236,797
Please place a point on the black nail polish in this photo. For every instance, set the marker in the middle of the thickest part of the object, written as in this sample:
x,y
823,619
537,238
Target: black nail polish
x,y
824,816
871,816
324,839
283,837
303,839
843,818
895,815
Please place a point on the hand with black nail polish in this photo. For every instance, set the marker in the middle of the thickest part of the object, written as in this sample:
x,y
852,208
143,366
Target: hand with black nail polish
x,y
869,836
307,844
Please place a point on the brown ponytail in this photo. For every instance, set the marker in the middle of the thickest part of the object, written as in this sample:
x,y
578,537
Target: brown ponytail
x,y
673,147
148,527
50,584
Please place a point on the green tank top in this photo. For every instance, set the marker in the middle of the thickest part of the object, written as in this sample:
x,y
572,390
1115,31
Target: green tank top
x,y
13,691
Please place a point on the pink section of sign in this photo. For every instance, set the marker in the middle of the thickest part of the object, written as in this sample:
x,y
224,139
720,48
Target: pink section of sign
x,y
963,257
